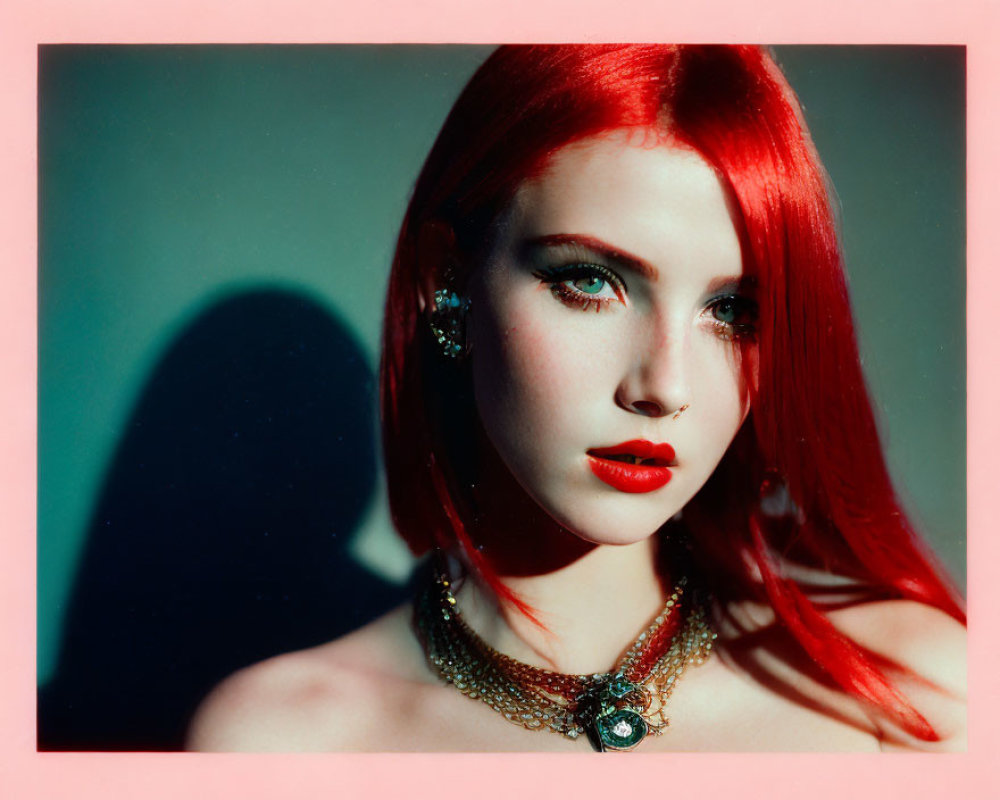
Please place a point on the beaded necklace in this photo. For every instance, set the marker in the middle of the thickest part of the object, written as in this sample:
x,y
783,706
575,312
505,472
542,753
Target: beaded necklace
x,y
616,709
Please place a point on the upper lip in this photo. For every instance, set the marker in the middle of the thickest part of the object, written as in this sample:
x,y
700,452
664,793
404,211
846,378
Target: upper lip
x,y
661,453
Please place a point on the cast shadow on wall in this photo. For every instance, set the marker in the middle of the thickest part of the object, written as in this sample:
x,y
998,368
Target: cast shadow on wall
x,y
221,531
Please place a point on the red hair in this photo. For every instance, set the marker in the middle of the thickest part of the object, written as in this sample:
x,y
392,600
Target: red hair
x,y
811,438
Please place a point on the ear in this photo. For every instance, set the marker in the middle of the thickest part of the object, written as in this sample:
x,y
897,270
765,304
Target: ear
x,y
437,261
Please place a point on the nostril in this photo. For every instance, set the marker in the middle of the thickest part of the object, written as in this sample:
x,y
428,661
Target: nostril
x,y
647,408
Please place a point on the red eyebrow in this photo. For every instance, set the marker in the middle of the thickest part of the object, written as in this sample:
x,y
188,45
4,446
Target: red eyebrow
x,y
628,260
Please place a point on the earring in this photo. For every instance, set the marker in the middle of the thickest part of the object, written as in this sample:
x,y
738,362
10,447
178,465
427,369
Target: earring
x,y
447,322
681,410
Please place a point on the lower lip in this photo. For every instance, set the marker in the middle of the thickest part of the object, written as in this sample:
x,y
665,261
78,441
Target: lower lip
x,y
631,478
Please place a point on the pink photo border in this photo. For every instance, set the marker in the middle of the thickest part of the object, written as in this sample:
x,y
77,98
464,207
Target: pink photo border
x,y
24,24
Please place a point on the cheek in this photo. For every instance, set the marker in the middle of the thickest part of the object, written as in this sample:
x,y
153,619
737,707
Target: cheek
x,y
516,367
730,402
746,369
721,394
535,369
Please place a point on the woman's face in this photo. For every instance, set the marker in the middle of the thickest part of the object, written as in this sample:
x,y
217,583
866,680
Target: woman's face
x,y
605,327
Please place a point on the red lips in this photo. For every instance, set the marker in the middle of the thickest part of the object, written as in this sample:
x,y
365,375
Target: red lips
x,y
617,466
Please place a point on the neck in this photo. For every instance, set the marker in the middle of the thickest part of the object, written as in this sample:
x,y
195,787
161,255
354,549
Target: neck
x,y
593,609
593,600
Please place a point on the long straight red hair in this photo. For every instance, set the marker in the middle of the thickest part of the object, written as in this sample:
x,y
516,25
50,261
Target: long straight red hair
x,y
805,478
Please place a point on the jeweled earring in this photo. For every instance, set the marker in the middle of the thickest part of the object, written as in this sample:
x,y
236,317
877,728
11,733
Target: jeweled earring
x,y
447,322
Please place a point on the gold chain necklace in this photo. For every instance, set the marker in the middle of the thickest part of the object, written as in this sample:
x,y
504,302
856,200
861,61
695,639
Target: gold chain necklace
x,y
616,709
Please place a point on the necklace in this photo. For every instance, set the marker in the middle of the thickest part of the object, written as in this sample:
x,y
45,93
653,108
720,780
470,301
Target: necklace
x,y
616,710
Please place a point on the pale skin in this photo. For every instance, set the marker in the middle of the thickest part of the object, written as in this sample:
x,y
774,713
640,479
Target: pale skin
x,y
552,379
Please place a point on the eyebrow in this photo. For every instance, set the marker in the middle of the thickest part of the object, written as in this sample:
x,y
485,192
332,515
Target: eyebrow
x,y
722,284
732,284
604,249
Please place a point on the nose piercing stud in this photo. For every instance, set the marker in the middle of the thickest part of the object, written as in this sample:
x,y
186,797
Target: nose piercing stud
x,y
681,410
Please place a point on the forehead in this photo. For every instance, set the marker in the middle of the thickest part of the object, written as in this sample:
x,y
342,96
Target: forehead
x,y
659,201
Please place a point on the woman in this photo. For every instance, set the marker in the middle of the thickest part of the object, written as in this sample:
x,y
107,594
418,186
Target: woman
x,y
621,393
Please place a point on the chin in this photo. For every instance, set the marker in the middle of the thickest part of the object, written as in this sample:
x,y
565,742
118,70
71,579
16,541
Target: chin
x,y
617,539
603,516
614,523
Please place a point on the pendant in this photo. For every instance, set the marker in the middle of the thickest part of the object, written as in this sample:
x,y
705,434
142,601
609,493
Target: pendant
x,y
609,715
623,729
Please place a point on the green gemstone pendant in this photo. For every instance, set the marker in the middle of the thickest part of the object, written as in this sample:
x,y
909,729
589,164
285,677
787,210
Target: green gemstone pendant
x,y
622,729
609,714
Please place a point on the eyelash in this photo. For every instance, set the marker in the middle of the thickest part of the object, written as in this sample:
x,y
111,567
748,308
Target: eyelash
x,y
734,331
559,280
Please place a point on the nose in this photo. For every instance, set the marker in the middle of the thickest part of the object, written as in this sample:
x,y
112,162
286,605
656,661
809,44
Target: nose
x,y
656,383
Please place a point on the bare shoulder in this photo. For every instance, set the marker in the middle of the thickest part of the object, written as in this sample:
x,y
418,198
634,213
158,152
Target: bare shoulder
x,y
920,638
929,647
327,698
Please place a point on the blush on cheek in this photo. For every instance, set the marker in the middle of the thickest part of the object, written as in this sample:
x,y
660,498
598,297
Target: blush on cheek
x,y
531,366
568,359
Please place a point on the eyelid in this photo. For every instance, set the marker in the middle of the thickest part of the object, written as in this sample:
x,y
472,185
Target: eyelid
x,y
581,268
559,280
572,254
734,330
560,273
590,249
730,294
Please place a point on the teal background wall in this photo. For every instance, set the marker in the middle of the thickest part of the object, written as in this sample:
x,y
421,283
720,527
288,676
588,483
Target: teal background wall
x,y
173,178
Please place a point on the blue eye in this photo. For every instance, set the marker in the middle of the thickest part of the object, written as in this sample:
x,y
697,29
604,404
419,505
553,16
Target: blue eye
x,y
584,285
726,311
734,315
591,284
